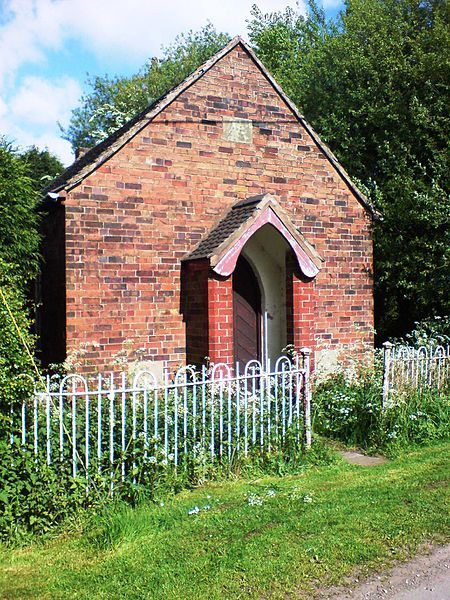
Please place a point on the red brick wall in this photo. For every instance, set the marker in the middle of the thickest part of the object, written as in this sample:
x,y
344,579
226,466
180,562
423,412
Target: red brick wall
x,y
301,307
51,295
129,224
220,315
194,296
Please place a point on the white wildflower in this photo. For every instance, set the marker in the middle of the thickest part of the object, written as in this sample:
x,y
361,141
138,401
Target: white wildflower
x,y
254,500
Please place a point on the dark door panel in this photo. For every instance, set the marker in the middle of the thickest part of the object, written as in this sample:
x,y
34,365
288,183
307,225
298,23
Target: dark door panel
x,y
246,313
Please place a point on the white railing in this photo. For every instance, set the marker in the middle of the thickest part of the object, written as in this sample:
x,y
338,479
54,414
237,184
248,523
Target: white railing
x,y
408,367
112,425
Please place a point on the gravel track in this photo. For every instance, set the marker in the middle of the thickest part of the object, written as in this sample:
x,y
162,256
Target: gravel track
x,y
425,577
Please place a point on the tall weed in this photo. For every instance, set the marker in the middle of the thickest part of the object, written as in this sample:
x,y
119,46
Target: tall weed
x,y
350,409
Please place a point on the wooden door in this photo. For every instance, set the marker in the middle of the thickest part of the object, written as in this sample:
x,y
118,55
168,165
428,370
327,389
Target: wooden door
x,y
246,313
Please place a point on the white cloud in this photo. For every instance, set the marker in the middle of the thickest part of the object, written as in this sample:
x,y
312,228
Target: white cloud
x,y
135,29
29,28
30,115
327,4
23,136
140,27
3,108
61,148
43,103
128,31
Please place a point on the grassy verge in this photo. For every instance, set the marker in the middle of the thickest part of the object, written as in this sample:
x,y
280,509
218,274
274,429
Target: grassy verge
x,y
268,537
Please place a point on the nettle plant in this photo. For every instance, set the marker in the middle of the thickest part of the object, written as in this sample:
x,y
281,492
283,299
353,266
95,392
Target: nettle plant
x,y
34,497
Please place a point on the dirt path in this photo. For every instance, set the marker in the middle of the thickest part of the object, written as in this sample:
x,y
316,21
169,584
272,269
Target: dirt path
x,y
425,577
363,460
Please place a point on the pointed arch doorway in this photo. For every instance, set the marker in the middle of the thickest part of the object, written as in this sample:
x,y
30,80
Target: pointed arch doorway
x,y
246,313
239,309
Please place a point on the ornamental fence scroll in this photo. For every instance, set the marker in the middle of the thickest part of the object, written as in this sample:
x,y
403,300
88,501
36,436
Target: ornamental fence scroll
x,y
406,367
112,425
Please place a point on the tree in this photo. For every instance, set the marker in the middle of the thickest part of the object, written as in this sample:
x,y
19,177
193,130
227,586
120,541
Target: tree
x,y
112,101
19,220
41,166
19,263
375,85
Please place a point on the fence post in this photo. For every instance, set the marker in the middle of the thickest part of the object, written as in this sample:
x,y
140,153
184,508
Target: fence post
x,y
387,361
306,353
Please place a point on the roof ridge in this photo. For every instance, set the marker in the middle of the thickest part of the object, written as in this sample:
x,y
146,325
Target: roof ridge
x,y
249,201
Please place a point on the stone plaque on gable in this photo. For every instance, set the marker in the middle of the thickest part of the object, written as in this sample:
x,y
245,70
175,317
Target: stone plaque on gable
x,y
237,130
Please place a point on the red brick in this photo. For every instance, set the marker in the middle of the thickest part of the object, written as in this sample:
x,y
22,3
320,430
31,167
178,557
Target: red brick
x,y
177,176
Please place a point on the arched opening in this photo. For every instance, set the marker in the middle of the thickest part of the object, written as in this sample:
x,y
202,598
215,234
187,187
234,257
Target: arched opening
x,y
246,313
266,252
247,292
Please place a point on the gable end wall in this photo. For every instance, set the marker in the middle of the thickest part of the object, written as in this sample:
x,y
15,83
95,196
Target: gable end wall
x,y
129,224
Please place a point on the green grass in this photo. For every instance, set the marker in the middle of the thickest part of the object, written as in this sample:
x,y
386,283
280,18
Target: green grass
x,y
359,519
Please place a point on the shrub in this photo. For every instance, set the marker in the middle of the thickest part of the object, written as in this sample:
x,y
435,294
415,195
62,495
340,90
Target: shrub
x,y
430,332
14,358
33,496
351,410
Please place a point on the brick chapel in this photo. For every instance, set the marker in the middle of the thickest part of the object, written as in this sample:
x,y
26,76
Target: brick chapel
x,y
215,224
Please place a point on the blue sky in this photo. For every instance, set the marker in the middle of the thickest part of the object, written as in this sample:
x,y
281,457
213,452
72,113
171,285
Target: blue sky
x,y
47,47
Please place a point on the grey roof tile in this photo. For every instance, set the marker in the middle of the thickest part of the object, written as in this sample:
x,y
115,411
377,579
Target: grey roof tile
x,y
237,216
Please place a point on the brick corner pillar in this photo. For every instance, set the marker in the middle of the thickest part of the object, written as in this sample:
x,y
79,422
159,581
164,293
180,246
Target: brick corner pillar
x,y
300,307
220,319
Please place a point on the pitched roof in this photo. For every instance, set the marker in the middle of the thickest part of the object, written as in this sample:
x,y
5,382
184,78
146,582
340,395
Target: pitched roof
x,y
223,243
96,156
224,230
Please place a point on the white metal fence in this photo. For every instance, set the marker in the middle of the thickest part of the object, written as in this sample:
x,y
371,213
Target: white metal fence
x,y
111,424
406,367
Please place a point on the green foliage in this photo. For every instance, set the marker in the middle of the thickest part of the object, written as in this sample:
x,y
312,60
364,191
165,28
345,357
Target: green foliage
x,y
375,86
22,176
19,263
41,166
112,101
19,237
271,537
34,497
430,332
14,359
351,410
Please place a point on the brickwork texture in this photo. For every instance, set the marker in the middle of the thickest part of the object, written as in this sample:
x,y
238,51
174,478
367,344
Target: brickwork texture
x,y
129,224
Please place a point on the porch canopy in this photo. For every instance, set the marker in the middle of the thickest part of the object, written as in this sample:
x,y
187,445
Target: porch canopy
x,y
248,286
224,243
